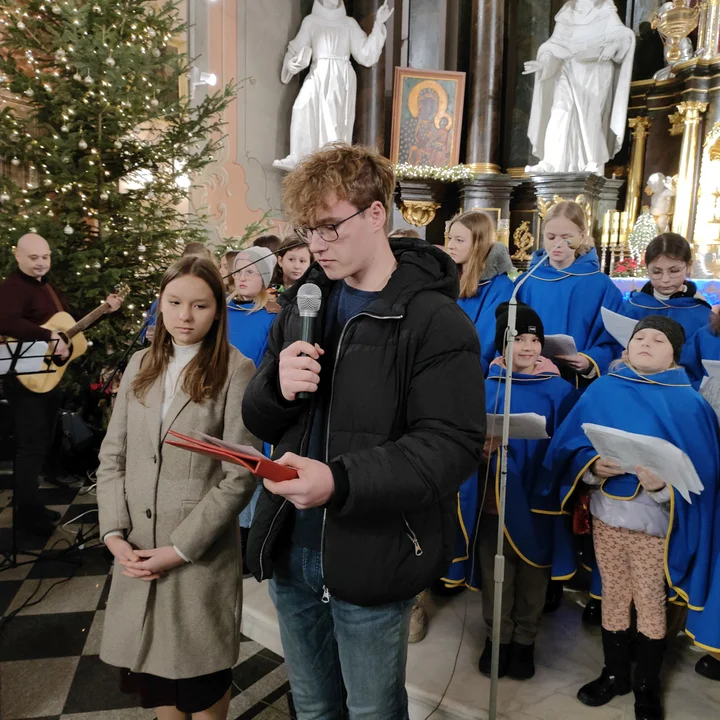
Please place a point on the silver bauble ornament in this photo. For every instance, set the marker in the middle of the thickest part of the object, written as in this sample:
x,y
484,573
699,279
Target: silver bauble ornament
x,y
15,161
60,55
111,62
29,92
64,128
78,77
47,181
156,52
97,265
56,9
88,80
151,32
104,196
117,144
66,159
4,197
154,102
21,25
82,145
68,230
141,248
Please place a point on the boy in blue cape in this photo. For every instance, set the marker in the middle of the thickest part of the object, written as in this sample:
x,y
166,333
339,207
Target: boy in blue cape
x,y
703,345
646,536
530,518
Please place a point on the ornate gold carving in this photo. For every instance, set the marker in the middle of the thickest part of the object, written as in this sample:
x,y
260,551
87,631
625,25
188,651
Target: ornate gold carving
x,y
544,206
675,24
676,123
639,126
517,172
523,239
419,212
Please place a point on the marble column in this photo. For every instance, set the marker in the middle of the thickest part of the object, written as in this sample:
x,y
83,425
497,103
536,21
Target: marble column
x,y
370,106
427,34
639,126
686,198
485,86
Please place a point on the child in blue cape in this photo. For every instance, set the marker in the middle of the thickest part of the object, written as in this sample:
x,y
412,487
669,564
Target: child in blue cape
x,y
530,518
251,312
568,291
668,292
484,266
703,345
644,532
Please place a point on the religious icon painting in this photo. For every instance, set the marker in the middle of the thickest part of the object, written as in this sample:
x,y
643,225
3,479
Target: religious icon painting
x,y
427,117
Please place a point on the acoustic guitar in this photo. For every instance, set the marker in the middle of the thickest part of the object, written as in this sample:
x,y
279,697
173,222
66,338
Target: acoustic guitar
x,y
72,333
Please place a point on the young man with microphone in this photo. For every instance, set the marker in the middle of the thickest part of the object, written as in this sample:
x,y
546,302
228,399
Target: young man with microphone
x,y
383,418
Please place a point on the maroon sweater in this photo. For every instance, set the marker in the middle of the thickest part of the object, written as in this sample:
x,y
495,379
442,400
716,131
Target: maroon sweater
x,y
25,304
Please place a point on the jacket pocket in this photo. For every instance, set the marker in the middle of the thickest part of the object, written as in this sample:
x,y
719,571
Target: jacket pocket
x,y
187,507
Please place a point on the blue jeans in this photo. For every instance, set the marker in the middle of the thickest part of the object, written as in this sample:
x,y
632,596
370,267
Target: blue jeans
x,y
328,644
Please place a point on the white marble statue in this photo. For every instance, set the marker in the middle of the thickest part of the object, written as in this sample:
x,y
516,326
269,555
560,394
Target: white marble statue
x,y
579,106
324,110
661,189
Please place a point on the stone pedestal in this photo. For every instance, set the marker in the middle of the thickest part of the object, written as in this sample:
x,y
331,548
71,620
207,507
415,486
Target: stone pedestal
x,y
568,186
609,198
490,193
426,206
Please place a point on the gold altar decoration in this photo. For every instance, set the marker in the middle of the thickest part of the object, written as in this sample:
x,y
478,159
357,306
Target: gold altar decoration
x,y
706,237
524,241
614,246
639,126
419,212
692,111
675,24
708,29
676,123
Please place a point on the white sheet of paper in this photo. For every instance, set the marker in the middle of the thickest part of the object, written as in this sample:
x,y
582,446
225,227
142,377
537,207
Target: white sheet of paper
x,y
523,426
246,449
559,345
31,361
663,458
619,326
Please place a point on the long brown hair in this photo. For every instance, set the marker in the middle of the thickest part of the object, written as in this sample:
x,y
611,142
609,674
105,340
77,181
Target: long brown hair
x,y
205,374
482,227
288,244
575,214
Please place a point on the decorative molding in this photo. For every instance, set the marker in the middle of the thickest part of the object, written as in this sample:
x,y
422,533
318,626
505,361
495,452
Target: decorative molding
x,y
419,212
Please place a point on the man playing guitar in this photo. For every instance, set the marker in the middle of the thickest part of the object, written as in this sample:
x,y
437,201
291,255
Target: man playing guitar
x,y
27,301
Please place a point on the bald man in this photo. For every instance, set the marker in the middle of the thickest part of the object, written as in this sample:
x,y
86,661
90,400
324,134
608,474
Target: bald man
x,y
27,301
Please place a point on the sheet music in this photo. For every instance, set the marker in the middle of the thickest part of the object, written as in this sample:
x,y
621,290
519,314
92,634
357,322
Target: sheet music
x,y
32,358
629,450
619,326
558,345
523,426
712,368
246,449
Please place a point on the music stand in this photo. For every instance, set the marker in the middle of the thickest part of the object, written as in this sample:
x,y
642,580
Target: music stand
x,y
23,358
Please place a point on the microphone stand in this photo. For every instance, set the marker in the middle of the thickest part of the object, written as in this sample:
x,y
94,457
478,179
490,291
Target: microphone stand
x,y
126,354
499,568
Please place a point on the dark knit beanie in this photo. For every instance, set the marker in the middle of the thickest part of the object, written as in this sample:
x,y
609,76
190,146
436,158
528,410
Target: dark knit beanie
x,y
672,330
528,321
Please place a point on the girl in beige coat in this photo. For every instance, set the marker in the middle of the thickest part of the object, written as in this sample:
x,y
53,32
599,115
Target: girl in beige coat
x,y
170,516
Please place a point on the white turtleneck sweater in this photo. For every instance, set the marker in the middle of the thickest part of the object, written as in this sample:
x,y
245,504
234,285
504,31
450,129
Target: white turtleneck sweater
x,y
172,380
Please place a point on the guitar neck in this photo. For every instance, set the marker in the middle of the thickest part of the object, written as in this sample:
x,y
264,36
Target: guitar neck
x,y
88,320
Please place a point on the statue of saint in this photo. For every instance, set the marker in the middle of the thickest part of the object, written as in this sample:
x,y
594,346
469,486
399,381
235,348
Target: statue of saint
x,y
324,110
579,106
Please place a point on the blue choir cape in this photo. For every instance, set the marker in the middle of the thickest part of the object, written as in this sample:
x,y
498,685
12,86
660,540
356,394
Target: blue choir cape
x,y
691,312
480,308
150,319
569,301
703,345
530,518
665,406
248,331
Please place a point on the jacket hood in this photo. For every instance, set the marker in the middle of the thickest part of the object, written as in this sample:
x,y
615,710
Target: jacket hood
x,y
587,264
421,267
498,262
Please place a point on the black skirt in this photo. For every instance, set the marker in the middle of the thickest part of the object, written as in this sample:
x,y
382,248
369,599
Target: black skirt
x,y
190,695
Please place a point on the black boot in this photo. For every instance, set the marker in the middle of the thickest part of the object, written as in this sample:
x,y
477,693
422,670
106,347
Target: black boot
x,y
648,704
522,661
553,596
486,659
592,614
708,667
33,519
615,677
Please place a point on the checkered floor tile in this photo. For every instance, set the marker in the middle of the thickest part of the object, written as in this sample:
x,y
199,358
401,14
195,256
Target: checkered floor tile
x,y
49,663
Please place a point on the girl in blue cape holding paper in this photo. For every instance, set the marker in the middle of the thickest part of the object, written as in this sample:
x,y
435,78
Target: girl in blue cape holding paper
x,y
530,518
668,259
646,536
569,289
484,283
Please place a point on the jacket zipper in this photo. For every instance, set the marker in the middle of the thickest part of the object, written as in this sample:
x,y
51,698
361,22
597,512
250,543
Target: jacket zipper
x,y
267,536
413,537
326,592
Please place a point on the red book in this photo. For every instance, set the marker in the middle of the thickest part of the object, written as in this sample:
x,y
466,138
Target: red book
x,y
244,455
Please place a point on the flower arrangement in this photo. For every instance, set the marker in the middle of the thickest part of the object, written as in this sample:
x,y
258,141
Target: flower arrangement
x,y
450,173
629,267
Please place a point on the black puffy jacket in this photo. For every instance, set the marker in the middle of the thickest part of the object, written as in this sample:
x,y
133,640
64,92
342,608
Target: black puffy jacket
x,y
405,428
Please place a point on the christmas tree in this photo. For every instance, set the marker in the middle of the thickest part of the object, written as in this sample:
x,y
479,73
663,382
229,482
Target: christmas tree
x,y
99,147
645,230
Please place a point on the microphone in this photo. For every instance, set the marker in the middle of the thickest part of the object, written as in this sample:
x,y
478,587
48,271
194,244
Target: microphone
x,y
309,300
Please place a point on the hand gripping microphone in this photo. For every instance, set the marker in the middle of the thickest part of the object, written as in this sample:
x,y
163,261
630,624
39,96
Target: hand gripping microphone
x,y
309,299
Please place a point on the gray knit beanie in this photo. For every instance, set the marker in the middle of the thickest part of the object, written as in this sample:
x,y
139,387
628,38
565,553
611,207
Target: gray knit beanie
x,y
263,258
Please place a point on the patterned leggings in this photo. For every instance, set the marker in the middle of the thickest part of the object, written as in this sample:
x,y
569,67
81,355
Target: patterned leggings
x,y
632,568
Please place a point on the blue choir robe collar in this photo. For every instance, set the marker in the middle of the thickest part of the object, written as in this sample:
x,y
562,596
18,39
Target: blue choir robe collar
x,y
587,264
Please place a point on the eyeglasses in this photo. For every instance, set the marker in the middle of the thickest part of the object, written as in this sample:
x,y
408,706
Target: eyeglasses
x,y
327,233
247,272
673,272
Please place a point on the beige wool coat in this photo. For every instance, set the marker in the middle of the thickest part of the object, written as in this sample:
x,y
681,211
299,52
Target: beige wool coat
x,y
187,623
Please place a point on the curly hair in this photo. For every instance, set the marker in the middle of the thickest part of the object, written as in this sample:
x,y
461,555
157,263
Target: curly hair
x,y
354,173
